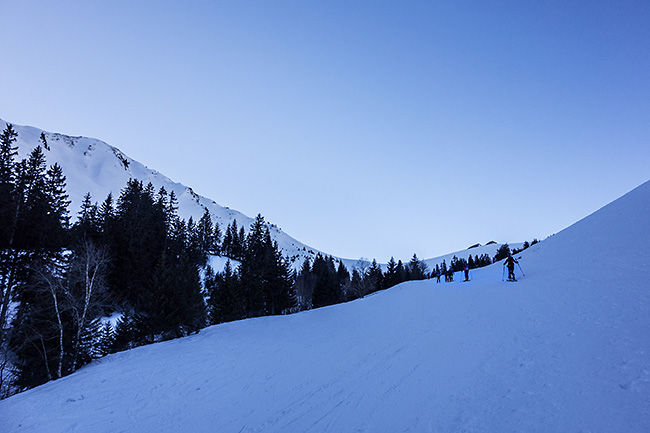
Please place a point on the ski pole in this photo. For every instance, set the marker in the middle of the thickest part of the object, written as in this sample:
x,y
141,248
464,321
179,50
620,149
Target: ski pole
x,y
522,271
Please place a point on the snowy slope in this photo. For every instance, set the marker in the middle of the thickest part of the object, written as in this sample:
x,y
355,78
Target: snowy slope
x,y
565,349
93,166
490,250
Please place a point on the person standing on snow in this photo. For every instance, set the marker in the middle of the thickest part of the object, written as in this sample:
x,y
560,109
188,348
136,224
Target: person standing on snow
x,y
510,263
466,272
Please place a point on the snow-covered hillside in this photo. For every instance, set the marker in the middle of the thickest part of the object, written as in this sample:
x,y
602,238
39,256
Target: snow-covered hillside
x,y
490,250
565,349
91,165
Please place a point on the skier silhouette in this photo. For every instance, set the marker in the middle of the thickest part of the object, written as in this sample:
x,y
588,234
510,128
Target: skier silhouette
x,y
466,272
510,263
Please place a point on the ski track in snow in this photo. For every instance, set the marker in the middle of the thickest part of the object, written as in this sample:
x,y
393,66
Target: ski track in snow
x,y
479,357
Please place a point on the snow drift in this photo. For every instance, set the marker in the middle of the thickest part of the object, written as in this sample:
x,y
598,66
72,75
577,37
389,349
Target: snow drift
x,y
565,349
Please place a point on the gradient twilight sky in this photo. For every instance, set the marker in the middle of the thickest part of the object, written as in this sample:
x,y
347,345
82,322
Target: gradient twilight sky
x,y
361,128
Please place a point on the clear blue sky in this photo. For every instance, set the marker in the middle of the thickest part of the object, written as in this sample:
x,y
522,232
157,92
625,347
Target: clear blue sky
x,y
362,128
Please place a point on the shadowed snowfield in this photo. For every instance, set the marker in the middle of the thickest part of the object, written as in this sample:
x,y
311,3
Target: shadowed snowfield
x,y
565,349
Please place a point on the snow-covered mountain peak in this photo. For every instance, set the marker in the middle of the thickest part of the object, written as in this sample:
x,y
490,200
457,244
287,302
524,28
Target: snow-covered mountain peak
x,y
95,167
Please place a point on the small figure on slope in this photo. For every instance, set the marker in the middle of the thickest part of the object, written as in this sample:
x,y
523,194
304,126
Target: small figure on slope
x,y
466,269
510,263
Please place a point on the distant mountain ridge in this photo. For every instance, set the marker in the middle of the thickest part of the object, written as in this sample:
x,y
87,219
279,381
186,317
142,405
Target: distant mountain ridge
x,y
93,166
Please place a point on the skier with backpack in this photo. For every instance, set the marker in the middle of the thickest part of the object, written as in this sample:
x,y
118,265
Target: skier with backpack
x,y
510,263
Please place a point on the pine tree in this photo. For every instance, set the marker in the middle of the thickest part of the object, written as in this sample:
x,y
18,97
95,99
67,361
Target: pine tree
x,y
137,243
279,279
205,236
106,214
179,309
205,229
36,272
87,345
225,296
226,244
233,242
305,286
87,225
240,243
33,206
106,340
59,219
37,332
168,205
502,252
44,141
326,288
401,271
8,153
42,338
417,269
374,277
216,238
343,278
253,268
157,309
177,238
391,277
9,203
194,249
124,335
356,288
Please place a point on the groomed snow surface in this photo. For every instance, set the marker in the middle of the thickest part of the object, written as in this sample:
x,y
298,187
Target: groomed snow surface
x,y
565,349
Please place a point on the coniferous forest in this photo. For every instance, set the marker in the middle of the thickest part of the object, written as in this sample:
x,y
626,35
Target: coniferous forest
x,y
133,258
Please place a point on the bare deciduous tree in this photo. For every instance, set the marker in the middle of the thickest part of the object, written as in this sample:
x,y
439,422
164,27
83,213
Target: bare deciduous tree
x,y
86,287
53,283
